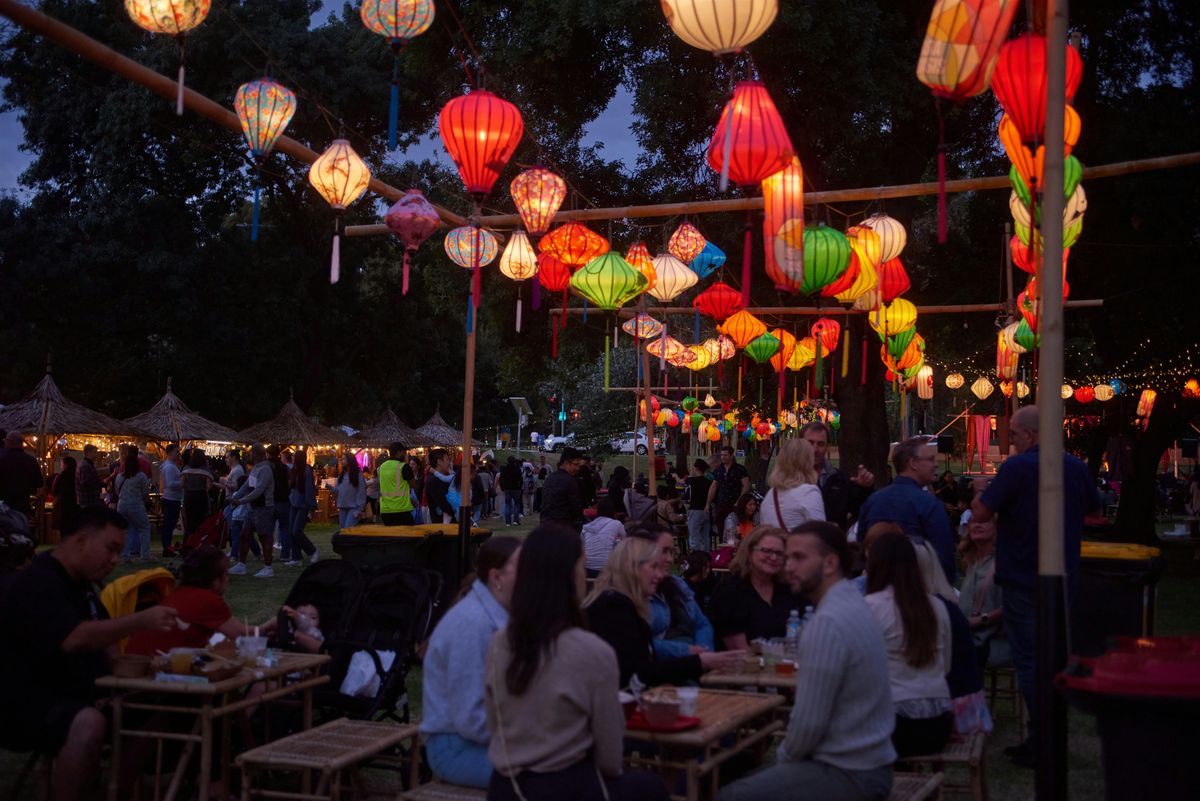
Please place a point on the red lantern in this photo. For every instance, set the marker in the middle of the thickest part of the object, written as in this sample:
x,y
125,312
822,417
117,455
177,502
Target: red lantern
x,y
1019,82
719,301
893,280
552,273
827,331
481,132
783,200
750,142
1085,394
846,280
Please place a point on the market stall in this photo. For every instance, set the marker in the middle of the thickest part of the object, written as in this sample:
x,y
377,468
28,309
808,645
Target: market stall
x,y
389,428
171,421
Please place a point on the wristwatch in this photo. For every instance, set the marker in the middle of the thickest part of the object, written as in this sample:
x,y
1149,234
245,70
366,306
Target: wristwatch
x,y
983,619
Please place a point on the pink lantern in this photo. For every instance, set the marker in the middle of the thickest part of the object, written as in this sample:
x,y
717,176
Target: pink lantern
x,y
412,219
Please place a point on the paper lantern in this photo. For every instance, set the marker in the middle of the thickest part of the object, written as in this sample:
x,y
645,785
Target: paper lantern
x,y
868,301
813,256
750,142
172,17
898,343
1117,385
954,380
538,194
805,353
762,347
719,302
552,273
340,177
665,347
1006,359
1022,389
893,280
787,344
783,201
608,282
1029,307
671,276
720,26
519,260
400,21
1030,165
827,332
1029,260
468,246
480,132
867,279
1145,403
961,43
721,348
1085,394
1072,175
1191,388
899,315
1024,337
708,261
1009,336
1103,392
925,383
264,109
574,244
412,219
892,235
654,407
709,401
686,243
1067,391
846,280
639,258
982,388
910,357
1019,83
742,327
642,326
701,359
1006,389
683,358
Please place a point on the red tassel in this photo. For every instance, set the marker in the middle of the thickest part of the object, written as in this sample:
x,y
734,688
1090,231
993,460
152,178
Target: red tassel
x,y
404,281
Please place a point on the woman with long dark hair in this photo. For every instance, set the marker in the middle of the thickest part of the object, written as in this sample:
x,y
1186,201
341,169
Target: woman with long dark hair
x,y
197,481
302,498
550,690
133,488
351,491
916,631
66,505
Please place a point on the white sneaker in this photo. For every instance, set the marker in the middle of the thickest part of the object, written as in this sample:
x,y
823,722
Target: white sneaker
x,y
237,569
292,563
266,572
316,554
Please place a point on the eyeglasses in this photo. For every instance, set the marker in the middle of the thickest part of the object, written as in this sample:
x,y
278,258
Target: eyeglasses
x,y
771,553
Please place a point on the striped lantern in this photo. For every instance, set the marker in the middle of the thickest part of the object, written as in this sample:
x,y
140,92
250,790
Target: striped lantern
x,y
671,276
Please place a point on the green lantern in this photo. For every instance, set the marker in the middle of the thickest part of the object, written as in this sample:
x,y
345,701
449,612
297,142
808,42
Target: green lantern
x,y
697,419
762,347
689,403
897,344
608,281
1025,337
911,372
826,257
1072,175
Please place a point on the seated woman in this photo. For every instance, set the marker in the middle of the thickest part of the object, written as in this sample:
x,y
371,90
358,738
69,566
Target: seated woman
x,y
454,726
550,689
754,600
601,534
916,632
619,612
741,521
677,624
670,509
980,599
200,604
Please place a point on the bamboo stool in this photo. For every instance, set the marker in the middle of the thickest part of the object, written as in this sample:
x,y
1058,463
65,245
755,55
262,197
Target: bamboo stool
x,y
338,746
967,753
440,791
1000,684
916,787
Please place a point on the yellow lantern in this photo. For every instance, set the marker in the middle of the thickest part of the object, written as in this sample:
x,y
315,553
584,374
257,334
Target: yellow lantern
x,y
1146,402
703,358
1067,391
892,235
720,26
1104,392
519,260
925,383
671,276
709,400
340,176
742,327
899,315
954,380
870,245
172,17
1023,389
1006,359
982,388
1191,388
867,279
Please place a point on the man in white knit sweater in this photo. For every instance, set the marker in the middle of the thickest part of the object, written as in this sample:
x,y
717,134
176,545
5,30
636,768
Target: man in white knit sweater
x,y
838,745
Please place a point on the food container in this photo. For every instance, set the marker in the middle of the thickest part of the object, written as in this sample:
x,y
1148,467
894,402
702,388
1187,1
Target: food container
x,y
130,666
785,667
180,660
660,709
687,700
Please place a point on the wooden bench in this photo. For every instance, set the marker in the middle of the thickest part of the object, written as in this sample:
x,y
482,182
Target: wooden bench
x,y
1000,684
440,791
916,787
339,746
968,754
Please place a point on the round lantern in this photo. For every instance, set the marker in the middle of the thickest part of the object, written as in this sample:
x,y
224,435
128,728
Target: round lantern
x,y
892,235
783,200
538,195
893,280
480,132
400,21
982,388
899,315
686,243
552,273
1146,402
1019,83
519,260
340,176
264,109
719,302
412,219
961,44
642,326
671,276
654,407
1022,389
742,327
815,256
702,358
468,245
665,347
827,332
720,26
1117,385
708,261
608,281
1085,394
673,421
172,17
639,258
1103,392
574,244
750,142
1067,391
954,380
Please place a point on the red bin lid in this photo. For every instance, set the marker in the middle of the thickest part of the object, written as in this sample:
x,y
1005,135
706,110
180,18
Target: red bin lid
x,y
1164,667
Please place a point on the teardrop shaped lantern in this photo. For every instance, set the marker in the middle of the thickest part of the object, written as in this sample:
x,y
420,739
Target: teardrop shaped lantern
x,y
608,282
982,388
174,18
750,142
480,132
553,274
827,331
671,276
893,280
574,244
762,347
954,380
783,200
708,261
720,26
538,195
719,302
264,109
961,44
468,246
642,326
892,235
1025,338
742,327
412,219
340,176
639,258
518,262
1019,83
686,243
399,21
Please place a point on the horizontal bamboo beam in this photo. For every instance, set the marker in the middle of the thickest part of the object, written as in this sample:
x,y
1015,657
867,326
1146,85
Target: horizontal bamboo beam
x,y
832,311
87,47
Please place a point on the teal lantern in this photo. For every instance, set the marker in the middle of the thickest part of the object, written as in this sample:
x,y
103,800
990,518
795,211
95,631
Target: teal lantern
x,y
709,260
762,347
608,281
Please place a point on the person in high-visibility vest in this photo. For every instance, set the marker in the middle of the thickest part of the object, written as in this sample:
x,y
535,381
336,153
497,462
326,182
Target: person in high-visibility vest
x,y
395,489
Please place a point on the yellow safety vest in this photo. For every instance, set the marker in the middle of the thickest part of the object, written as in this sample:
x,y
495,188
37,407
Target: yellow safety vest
x,y
394,493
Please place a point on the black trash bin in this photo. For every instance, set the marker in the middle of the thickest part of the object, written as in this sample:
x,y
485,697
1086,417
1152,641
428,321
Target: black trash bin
x,y
1145,695
1118,582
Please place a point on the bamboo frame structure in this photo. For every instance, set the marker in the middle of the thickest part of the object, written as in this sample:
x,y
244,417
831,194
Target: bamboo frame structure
x,y
835,311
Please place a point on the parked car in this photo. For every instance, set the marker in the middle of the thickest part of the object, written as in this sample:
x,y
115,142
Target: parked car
x,y
629,442
556,442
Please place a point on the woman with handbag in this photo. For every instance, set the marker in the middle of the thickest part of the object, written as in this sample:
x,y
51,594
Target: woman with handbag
x,y
795,496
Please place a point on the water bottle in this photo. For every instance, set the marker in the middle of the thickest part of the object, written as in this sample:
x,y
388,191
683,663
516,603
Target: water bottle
x,y
808,614
793,633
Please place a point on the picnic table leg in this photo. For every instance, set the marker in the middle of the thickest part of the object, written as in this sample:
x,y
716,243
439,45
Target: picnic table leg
x,y
206,749
693,780
115,768
247,781
306,724
226,753
185,758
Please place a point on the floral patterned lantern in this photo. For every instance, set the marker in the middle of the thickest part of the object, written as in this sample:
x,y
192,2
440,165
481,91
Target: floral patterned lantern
x,y
1006,359
412,219
686,243
574,244
538,194
720,26
642,326
172,17
470,246
340,176
518,262
961,44
671,276
701,358
783,201
480,132
719,302
1103,392
264,109
954,380
665,347
400,21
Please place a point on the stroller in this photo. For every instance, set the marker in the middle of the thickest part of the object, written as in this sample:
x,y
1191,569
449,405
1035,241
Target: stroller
x,y
213,530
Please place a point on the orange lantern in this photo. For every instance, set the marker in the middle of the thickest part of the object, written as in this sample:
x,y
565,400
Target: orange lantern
x,y
1191,388
783,200
742,327
1146,402
686,243
574,244
787,344
480,132
639,258
538,195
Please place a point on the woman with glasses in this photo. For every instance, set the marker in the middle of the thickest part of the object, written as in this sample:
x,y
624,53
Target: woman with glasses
x,y
754,601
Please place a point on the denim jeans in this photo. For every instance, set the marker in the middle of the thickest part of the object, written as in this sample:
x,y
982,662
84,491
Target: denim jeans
x,y
457,760
698,530
170,510
810,781
137,536
1020,622
347,518
298,541
512,507
283,524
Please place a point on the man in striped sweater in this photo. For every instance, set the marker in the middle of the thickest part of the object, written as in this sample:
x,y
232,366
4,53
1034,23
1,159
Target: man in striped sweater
x,y
838,745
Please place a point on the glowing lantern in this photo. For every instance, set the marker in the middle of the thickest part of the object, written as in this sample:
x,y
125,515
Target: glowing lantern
x,y
574,244
787,344
1028,259
709,401
1024,337
1006,389
264,109
783,200
1191,388
642,326
847,279
893,280
1022,389
639,258
954,380
709,260
720,26
538,194
412,219
827,331
468,246
399,21
1006,359
1067,391
1085,394
518,262
719,302
866,242
340,177
686,243
683,358
813,256
1008,336
665,347
1072,175
671,276
868,301
750,142
803,355
961,44
982,388
654,408
762,347
608,281
701,359
925,383
172,17
554,275
890,320
1103,392
892,235
1028,164
865,282
910,357
742,327
480,132
1019,83
1029,306
1146,402
720,348
1118,385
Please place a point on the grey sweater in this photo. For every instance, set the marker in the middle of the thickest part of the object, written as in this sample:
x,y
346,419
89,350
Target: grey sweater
x,y
843,713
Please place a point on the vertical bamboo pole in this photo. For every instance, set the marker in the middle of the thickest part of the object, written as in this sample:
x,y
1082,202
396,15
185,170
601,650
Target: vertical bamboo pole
x,y
648,418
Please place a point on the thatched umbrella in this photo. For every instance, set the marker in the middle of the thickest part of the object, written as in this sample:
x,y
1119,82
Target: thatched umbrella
x,y
440,432
46,412
388,429
170,420
292,427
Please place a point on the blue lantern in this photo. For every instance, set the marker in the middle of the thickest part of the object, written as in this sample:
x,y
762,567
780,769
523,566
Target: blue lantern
x,y
708,261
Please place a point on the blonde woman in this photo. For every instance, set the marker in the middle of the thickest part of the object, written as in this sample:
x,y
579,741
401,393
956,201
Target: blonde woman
x,y
795,496
754,600
618,610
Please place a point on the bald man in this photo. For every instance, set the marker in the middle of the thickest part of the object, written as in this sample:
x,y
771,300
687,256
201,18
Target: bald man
x,y
1012,498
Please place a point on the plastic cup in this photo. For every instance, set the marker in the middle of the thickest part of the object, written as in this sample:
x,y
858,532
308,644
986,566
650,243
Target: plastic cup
x,y
180,660
249,649
785,667
687,700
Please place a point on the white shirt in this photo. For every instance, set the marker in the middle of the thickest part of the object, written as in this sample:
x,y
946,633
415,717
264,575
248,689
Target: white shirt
x,y
798,504
912,683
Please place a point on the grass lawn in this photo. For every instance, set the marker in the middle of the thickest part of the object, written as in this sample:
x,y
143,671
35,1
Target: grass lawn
x,y
1178,613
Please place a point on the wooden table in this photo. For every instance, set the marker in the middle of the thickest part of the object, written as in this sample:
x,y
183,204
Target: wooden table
x,y
700,752
761,678
208,703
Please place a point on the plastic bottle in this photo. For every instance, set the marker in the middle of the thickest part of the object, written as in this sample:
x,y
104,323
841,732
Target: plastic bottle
x,y
793,633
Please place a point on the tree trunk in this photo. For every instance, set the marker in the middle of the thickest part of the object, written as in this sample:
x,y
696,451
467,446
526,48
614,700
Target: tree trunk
x,y
864,435
1136,513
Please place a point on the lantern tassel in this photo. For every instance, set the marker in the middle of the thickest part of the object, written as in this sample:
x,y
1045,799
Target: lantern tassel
x,y
335,260
518,313
470,315
845,354
941,171
585,311
536,295
179,96
404,279
394,105
747,248
254,212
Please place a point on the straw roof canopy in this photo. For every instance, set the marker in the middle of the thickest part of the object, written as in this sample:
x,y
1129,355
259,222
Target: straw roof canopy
x,y
440,432
45,410
292,427
170,420
388,429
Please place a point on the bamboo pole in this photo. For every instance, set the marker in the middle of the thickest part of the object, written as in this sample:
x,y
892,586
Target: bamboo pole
x,y
87,47
814,311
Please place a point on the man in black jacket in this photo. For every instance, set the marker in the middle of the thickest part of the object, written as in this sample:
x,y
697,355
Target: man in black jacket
x,y
561,501
511,485
843,494
437,484
20,475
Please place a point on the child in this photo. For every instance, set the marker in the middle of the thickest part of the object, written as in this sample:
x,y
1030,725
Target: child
x,y
306,622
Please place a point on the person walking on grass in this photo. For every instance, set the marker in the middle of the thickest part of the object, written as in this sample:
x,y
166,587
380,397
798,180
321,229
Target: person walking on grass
x,y
172,497
302,497
258,493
